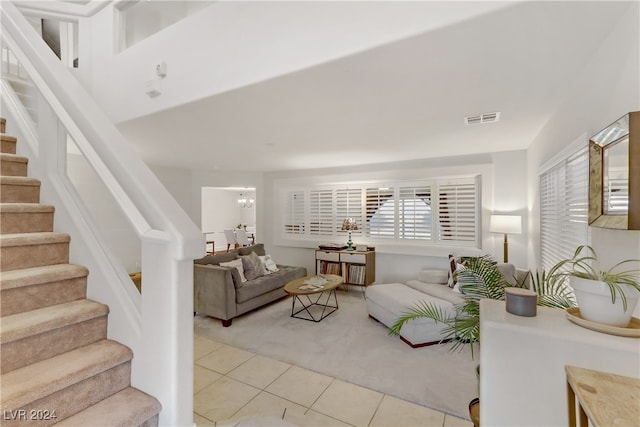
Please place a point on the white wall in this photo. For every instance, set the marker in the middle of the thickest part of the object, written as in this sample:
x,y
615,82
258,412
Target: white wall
x,y
238,43
607,88
176,180
510,197
113,227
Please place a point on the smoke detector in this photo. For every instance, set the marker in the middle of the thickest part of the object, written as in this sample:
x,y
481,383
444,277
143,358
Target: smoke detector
x,y
482,118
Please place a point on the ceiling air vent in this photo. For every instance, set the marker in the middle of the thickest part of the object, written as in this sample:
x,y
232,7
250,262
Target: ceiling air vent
x,y
482,118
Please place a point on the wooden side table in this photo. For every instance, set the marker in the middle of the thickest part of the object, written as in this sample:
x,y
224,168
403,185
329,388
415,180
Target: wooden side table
x,y
604,399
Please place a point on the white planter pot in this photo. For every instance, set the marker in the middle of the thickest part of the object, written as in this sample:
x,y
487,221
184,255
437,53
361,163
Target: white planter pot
x,y
594,301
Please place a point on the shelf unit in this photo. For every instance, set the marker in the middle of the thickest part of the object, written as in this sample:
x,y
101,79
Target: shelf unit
x,y
356,267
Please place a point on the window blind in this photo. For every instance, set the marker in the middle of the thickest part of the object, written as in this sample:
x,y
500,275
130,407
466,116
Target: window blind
x,y
380,208
321,218
414,212
294,213
564,208
349,205
429,211
457,207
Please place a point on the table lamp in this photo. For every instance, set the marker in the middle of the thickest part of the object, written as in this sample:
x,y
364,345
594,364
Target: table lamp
x,y
507,224
349,224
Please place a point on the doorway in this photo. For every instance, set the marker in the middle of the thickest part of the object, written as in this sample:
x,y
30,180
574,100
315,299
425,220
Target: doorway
x,y
227,208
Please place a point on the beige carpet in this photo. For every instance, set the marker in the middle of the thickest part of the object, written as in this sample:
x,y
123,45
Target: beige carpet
x,y
353,347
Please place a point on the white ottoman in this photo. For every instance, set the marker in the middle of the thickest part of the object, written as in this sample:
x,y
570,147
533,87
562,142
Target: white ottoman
x,y
387,302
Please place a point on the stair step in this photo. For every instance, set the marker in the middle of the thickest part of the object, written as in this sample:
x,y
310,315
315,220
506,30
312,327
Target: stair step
x,y
36,335
33,288
26,250
8,144
68,383
129,407
25,218
19,189
13,165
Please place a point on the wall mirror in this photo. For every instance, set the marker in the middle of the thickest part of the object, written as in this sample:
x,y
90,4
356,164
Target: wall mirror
x,y
614,175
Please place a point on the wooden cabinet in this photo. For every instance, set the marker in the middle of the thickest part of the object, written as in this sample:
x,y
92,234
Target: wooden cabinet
x,y
603,399
355,267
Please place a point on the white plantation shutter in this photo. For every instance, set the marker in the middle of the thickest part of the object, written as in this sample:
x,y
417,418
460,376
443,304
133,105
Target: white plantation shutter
x,y
426,211
458,210
294,213
321,218
380,212
616,196
414,212
564,208
349,205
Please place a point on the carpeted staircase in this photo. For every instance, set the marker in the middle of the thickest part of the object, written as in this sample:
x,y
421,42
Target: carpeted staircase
x,y
56,363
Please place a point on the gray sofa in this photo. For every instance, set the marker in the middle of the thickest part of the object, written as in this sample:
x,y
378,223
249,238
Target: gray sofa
x,y
218,291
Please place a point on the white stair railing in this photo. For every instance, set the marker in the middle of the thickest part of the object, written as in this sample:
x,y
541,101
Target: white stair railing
x,y
158,323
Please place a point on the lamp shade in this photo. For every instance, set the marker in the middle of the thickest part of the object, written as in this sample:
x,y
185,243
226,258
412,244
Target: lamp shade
x,y
507,224
349,224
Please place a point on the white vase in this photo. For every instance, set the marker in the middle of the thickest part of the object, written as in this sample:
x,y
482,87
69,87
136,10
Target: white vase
x,y
594,301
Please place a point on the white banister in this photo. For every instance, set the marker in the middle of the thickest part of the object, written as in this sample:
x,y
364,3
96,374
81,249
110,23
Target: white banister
x,y
160,328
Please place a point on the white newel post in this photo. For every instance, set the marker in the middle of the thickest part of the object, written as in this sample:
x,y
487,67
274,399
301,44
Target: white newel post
x,y
166,356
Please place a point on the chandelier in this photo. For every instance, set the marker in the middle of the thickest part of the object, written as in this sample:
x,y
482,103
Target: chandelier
x,y
245,202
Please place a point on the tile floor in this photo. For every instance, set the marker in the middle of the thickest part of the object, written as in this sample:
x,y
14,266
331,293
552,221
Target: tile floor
x,y
236,386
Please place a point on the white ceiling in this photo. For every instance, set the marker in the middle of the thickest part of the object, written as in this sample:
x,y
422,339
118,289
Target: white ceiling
x,y
401,101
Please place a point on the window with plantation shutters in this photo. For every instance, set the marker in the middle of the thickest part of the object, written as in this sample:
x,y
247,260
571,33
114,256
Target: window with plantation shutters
x,y
414,212
380,212
294,213
427,211
457,211
564,208
321,218
349,205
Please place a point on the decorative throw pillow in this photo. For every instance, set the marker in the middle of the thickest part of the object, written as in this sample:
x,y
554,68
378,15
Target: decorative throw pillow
x,y
263,261
457,287
269,264
237,264
453,264
252,266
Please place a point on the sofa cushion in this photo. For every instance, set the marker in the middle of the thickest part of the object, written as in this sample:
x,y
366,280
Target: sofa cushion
x,y
258,249
253,267
269,264
437,291
508,271
269,282
236,264
433,276
217,259
387,302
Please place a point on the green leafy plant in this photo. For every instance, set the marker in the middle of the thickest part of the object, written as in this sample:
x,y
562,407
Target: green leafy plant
x,y
586,266
480,279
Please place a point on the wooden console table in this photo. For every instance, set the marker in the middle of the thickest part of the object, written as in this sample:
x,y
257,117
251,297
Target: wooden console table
x,y
355,267
603,399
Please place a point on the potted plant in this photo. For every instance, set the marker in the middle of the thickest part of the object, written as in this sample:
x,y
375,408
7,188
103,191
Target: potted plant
x,y
604,296
480,279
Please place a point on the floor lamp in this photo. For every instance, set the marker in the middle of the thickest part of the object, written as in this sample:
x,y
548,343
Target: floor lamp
x,y
506,224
